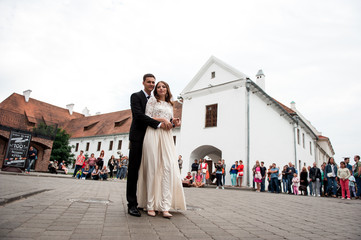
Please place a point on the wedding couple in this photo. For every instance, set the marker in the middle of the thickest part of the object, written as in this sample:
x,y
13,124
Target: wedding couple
x,y
154,181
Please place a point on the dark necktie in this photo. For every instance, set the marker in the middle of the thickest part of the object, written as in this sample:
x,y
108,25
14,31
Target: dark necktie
x,y
148,97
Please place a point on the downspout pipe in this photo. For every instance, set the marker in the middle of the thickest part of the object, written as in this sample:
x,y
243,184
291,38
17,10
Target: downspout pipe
x,y
248,82
315,152
295,126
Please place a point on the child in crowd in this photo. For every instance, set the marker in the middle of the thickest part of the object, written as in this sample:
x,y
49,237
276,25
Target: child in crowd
x,y
351,184
79,174
343,174
95,174
86,172
295,181
188,180
104,173
198,181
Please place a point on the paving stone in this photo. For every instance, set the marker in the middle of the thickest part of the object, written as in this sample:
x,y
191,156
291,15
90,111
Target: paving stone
x,y
144,236
61,228
53,238
56,233
85,236
115,237
242,214
19,234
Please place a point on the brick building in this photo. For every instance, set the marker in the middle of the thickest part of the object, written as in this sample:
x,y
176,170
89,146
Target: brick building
x,y
108,132
22,113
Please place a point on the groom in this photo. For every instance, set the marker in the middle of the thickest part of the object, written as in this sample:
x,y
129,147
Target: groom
x,y
140,122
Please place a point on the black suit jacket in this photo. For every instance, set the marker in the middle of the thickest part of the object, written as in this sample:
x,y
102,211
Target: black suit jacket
x,y
140,121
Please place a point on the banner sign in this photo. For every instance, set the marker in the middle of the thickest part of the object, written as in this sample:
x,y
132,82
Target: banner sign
x,y
17,151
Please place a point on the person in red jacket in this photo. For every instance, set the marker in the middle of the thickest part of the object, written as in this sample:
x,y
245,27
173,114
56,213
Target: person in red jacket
x,y
240,173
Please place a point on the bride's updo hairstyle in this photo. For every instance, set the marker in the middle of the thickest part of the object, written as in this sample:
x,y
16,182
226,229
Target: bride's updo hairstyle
x,y
168,95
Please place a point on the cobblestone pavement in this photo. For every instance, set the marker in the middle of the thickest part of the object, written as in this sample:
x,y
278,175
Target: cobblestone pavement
x,y
79,209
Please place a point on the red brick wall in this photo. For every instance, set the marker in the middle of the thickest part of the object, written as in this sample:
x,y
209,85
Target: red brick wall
x,y
44,147
4,137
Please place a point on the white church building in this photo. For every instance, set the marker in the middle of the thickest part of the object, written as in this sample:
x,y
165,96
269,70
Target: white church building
x,y
225,115
228,116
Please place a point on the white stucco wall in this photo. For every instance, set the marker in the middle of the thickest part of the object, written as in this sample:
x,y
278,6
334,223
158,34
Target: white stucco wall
x,y
326,148
271,135
227,136
304,155
105,141
221,76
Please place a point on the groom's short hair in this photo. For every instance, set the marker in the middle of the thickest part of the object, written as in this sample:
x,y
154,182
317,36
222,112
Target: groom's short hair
x,y
148,75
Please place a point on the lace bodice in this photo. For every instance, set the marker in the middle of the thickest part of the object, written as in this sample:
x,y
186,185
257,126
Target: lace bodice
x,y
159,109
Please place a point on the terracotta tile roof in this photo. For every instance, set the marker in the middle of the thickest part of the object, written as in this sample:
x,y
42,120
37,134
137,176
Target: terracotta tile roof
x,y
17,113
289,110
36,110
323,137
98,125
107,124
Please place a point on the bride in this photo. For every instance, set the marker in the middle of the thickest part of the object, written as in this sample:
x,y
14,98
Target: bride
x,y
160,185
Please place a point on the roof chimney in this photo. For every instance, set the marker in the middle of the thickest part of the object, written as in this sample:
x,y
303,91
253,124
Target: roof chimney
x,y
70,108
293,105
260,79
27,95
86,112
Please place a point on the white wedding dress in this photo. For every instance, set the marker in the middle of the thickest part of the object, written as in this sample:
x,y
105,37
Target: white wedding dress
x,y
159,183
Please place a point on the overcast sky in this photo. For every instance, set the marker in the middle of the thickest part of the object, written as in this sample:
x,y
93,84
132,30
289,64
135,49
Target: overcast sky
x,y
93,53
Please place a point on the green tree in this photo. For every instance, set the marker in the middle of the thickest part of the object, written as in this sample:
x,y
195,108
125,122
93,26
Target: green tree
x,y
61,149
45,130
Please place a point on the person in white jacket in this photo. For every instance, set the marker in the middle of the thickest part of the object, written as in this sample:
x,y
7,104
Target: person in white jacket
x,y
343,174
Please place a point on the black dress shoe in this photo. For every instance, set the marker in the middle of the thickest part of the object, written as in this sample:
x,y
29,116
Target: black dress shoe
x,y
134,211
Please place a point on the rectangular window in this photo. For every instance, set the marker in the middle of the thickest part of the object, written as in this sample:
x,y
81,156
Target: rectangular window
x,y
303,140
119,144
211,115
298,136
213,74
87,146
311,148
99,146
76,147
110,145
175,140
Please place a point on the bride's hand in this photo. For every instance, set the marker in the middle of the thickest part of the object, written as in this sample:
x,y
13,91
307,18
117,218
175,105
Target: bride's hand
x,y
167,123
176,122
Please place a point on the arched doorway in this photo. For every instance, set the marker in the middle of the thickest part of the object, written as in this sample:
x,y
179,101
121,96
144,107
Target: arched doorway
x,y
211,153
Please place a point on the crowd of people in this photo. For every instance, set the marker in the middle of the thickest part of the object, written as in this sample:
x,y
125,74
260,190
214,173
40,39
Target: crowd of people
x,y
328,180
94,168
55,167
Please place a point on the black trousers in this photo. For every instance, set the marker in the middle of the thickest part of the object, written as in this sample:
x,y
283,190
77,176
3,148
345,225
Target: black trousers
x,y
111,172
289,177
219,179
135,157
